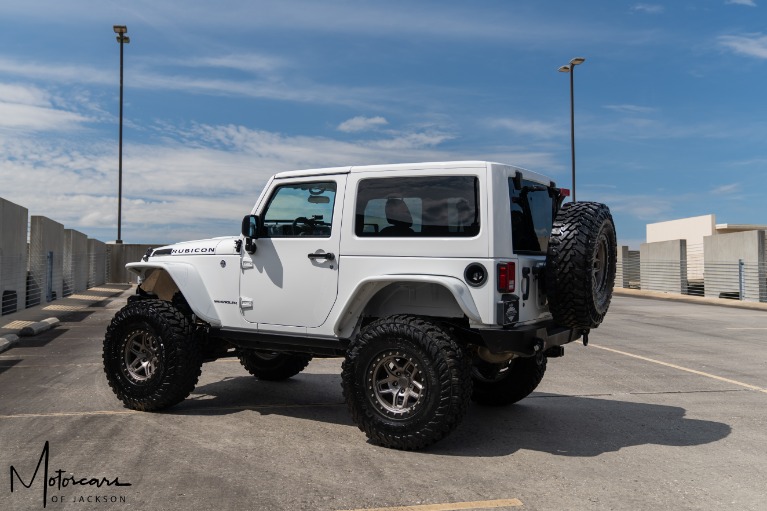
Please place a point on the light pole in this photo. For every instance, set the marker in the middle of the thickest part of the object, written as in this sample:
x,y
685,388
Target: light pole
x,y
570,68
120,30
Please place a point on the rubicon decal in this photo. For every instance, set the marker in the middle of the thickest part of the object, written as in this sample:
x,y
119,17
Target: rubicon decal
x,y
198,250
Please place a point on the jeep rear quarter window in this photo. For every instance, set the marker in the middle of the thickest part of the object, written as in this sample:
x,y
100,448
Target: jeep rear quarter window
x,y
532,216
436,206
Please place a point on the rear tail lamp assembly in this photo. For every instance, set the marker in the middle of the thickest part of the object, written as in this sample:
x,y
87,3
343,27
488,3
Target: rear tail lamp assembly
x,y
507,277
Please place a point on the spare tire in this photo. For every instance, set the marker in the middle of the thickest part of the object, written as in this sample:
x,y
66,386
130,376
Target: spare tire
x,y
580,264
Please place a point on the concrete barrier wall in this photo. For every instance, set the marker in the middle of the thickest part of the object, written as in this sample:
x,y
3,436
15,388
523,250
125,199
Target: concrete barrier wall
x,y
118,255
75,262
46,261
41,261
663,266
724,276
14,220
97,263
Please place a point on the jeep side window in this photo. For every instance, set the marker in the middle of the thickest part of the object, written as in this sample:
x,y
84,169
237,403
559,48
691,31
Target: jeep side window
x,y
300,209
532,211
437,206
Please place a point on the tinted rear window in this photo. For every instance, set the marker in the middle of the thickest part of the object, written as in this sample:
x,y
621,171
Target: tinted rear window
x,y
435,206
532,210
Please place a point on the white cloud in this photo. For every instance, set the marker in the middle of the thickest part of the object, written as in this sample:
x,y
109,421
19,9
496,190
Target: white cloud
x,y
643,207
753,45
193,182
26,107
631,109
648,8
24,95
360,123
726,189
252,63
529,127
57,72
750,3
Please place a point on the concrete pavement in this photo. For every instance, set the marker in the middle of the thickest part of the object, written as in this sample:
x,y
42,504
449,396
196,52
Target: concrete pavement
x,y
664,410
37,319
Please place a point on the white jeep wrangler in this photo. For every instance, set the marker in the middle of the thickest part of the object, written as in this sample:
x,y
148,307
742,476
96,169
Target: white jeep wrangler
x,y
438,283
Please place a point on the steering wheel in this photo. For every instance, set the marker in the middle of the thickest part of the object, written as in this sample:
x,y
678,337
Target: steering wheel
x,y
305,221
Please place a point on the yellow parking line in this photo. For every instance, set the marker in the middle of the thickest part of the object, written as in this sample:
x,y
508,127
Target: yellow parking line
x,y
686,369
479,504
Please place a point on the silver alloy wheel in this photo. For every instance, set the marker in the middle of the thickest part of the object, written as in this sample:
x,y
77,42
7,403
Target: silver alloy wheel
x,y
141,355
396,384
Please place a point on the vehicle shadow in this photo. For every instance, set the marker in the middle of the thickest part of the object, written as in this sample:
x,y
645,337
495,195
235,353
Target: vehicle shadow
x,y
576,426
556,424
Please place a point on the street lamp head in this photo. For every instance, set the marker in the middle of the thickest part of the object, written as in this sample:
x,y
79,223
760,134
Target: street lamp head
x,y
577,60
120,29
564,69
123,39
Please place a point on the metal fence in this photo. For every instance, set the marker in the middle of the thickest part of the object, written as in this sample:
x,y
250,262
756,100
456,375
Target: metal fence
x,y
738,280
38,279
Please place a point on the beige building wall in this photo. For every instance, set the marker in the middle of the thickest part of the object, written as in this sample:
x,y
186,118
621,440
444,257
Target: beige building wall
x,y
693,230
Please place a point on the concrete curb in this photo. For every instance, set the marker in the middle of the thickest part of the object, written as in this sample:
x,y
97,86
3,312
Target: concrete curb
x,y
8,341
659,295
38,327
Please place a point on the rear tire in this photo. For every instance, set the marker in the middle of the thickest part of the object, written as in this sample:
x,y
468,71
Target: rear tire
x,y
580,265
499,386
151,359
406,382
272,366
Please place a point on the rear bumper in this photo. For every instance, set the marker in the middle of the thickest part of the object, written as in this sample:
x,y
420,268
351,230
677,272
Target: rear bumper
x,y
527,340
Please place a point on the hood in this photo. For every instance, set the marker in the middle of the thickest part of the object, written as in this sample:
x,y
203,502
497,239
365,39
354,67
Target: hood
x,y
215,246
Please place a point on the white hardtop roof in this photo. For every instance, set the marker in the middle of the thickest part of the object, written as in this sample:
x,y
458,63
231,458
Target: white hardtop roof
x,y
400,166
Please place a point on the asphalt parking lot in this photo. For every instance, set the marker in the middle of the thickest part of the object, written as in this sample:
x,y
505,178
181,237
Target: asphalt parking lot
x,y
665,409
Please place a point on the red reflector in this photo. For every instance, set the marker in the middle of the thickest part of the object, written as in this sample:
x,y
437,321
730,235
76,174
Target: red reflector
x,y
564,192
507,277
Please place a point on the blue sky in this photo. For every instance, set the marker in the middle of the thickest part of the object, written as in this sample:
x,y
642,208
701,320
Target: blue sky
x,y
670,105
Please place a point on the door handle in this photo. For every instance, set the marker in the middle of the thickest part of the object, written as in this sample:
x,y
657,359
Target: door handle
x,y
328,256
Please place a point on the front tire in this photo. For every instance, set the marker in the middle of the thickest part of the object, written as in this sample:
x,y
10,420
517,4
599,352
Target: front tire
x,y
271,366
406,381
503,385
151,359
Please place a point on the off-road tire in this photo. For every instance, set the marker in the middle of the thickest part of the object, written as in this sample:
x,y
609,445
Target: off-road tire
x,y
269,366
157,333
580,265
511,384
406,352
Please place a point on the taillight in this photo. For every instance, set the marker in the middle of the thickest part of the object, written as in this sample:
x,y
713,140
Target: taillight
x,y
507,277
564,192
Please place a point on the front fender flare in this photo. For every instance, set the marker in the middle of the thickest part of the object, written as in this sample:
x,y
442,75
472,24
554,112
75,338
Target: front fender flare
x,y
368,287
188,281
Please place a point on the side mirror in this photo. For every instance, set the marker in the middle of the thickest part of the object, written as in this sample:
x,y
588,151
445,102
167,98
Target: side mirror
x,y
250,226
250,231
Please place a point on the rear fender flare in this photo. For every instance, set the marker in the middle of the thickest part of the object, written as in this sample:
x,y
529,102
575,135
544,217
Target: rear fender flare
x,y
369,287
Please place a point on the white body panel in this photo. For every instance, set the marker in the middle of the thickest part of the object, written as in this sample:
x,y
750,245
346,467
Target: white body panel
x,y
279,289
